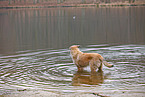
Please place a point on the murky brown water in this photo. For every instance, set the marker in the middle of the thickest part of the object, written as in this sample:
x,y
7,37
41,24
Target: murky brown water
x,y
34,52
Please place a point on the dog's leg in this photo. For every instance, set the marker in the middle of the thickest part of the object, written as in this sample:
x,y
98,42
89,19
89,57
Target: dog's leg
x,y
93,67
101,66
80,68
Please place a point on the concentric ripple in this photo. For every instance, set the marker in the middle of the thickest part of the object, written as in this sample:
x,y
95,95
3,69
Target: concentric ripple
x,y
53,70
35,69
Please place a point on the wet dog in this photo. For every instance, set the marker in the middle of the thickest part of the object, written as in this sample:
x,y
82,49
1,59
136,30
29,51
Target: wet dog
x,y
81,60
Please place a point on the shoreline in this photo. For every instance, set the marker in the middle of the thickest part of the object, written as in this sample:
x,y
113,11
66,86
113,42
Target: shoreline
x,y
71,5
41,93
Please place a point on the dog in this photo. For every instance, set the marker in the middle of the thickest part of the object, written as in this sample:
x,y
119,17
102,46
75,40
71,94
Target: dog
x,y
81,60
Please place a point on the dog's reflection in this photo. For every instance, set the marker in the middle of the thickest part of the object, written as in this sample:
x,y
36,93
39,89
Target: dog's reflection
x,y
88,78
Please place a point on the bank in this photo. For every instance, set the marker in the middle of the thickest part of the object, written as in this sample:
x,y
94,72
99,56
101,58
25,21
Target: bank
x,y
7,4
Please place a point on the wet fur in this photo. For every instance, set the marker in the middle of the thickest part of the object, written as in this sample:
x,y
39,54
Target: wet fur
x,y
81,60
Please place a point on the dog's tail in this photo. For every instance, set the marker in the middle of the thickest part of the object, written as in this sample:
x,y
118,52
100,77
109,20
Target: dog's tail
x,y
107,64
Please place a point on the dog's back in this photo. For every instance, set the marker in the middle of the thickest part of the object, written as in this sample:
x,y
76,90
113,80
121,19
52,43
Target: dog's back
x,y
85,58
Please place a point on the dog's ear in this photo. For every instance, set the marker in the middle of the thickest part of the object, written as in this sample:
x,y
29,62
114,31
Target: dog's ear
x,y
78,46
74,46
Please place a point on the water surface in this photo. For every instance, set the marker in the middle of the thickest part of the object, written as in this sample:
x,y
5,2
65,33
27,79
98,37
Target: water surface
x,y
34,52
31,29
53,70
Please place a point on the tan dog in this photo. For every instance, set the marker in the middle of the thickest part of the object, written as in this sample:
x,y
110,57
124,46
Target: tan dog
x,y
82,60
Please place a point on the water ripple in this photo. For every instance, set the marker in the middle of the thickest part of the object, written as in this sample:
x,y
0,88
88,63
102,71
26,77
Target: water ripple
x,y
53,70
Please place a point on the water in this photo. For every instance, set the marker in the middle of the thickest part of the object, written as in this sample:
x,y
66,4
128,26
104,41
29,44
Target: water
x,y
53,70
34,52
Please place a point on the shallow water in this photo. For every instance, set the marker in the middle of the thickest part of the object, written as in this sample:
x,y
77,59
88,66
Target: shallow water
x,y
34,50
53,70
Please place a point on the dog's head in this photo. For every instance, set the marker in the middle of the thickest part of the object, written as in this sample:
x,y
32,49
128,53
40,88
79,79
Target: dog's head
x,y
73,47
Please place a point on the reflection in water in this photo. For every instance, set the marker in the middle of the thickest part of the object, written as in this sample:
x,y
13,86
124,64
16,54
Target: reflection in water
x,y
53,70
27,29
88,78
34,37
